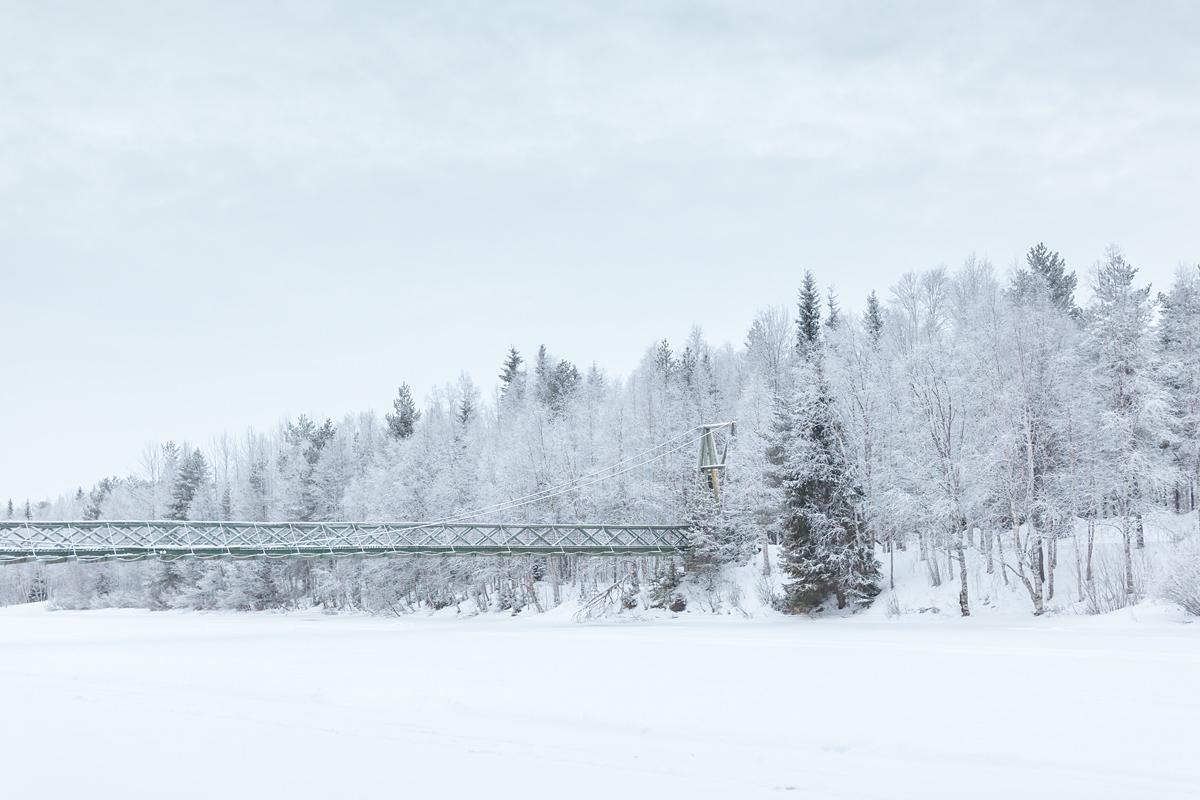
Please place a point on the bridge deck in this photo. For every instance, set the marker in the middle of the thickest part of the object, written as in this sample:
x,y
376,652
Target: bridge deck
x,y
167,539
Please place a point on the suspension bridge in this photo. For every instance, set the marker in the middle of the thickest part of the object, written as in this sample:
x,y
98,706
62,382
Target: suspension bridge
x,y
111,540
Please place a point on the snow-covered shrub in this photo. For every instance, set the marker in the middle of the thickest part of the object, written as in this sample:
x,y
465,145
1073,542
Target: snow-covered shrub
x,y
664,589
1180,581
1106,591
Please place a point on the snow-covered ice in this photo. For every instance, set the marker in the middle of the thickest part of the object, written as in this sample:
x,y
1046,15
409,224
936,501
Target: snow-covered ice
x,y
176,704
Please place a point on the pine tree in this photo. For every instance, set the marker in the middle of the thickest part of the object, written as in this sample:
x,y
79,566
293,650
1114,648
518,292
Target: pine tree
x,y
664,589
97,496
664,362
542,369
1179,352
1052,268
165,586
28,510
466,409
808,322
305,441
10,508
686,368
402,422
564,381
873,318
512,377
711,540
193,471
824,551
1135,421
835,310
261,588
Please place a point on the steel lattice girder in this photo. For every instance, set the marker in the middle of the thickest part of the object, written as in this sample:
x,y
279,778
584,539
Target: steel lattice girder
x,y
169,539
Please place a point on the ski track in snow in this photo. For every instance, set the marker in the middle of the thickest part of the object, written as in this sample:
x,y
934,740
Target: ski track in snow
x,y
140,704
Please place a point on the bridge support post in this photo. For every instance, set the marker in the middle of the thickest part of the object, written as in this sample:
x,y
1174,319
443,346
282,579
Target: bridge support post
x,y
712,463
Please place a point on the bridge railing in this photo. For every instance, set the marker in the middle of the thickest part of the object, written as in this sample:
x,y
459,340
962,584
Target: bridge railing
x,y
168,539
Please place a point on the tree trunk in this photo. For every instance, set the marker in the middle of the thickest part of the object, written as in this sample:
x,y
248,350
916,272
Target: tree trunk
x,y
986,537
555,580
1091,547
1125,542
964,604
1035,591
892,565
1052,558
1141,532
1000,553
1035,549
935,578
1078,566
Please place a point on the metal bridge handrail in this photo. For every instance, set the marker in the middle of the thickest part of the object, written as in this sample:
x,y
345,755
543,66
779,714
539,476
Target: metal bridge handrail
x,y
96,540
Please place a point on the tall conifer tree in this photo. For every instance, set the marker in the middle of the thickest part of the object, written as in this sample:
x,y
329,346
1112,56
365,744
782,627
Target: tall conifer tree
x,y
404,417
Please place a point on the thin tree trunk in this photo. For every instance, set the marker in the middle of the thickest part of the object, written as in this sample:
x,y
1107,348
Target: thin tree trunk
x,y
555,580
1091,547
1125,542
1000,552
1052,558
1078,566
986,538
1035,591
1035,541
964,604
891,564
935,578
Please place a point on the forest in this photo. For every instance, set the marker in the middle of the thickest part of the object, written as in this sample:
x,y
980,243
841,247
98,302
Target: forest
x,y
961,414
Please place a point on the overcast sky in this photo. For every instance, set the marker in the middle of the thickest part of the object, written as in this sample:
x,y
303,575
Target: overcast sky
x,y
214,215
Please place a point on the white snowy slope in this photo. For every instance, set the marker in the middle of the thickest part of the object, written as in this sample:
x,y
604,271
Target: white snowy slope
x,y
137,704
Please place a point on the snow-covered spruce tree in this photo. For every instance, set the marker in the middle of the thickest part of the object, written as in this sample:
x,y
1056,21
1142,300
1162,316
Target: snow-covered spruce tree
x,y
1179,369
192,474
824,551
404,415
512,378
1047,271
303,442
164,586
711,539
664,588
1133,434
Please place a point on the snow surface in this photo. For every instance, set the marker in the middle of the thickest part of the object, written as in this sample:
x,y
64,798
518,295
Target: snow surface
x,y
127,704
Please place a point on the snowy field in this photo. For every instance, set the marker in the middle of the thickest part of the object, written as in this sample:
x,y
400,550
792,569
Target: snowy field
x,y
177,704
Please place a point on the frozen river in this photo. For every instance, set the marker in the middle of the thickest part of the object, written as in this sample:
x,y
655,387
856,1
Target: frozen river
x,y
136,704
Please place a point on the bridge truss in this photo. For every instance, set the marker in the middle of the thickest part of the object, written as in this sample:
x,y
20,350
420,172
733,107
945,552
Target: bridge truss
x,y
168,539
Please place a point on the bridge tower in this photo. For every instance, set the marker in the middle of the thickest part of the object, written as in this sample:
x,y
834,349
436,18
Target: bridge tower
x,y
712,461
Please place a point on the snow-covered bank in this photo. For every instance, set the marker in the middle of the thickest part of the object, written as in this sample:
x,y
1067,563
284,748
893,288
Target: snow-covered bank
x,y
1000,592
449,587
182,704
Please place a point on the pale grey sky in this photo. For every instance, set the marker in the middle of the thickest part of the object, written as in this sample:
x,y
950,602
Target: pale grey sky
x,y
213,215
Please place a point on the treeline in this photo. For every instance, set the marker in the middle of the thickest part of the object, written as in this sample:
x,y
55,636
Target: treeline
x,y
970,414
